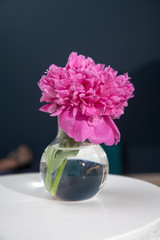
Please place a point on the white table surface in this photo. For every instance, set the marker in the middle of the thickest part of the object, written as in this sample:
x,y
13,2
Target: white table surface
x,y
125,209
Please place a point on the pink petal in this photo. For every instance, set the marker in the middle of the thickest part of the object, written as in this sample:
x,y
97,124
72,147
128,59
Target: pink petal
x,y
76,127
51,108
57,112
115,129
66,120
75,61
105,132
81,130
45,108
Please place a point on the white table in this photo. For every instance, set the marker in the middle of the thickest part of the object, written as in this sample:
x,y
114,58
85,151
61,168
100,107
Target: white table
x,y
125,209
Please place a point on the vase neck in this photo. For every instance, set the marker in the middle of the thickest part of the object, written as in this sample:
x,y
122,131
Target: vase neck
x,y
66,141
60,131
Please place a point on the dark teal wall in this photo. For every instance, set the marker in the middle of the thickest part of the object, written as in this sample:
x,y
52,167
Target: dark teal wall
x,y
114,154
37,33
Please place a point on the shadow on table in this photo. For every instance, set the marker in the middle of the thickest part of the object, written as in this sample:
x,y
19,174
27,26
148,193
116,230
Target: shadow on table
x,y
31,185
115,192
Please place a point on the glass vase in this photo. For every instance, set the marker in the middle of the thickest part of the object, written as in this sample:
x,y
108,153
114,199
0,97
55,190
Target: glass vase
x,y
73,171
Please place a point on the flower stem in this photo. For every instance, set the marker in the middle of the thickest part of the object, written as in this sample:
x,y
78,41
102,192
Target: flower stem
x,y
57,178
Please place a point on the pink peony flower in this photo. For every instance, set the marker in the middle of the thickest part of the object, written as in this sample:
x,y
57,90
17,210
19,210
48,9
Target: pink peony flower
x,y
87,97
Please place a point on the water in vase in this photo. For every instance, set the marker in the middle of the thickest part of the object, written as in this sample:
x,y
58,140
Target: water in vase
x,y
80,180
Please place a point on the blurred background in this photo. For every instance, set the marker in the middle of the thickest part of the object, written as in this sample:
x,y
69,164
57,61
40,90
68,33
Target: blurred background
x,y
34,34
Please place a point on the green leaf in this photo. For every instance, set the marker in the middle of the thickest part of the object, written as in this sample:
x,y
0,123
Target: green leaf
x,y
56,160
49,157
49,153
59,157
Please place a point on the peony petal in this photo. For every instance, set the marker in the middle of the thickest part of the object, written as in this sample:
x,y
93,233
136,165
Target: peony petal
x,y
57,112
52,108
76,127
81,130
66,120
114,128
45,108
105,132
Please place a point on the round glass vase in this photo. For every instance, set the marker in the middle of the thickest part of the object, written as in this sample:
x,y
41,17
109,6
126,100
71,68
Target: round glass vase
x,y
73,171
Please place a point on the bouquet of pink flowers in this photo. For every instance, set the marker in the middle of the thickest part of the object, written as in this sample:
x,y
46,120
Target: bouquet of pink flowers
x,y
86,97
